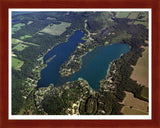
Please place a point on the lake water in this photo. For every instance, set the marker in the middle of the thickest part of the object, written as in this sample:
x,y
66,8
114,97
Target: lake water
x,y
94,64
96,68
50,74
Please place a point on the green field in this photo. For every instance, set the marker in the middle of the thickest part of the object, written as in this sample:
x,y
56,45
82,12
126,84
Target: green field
x,y
144,16
29,22
20,47
141,22
16,41
16,63
24,37
122,14
31,44
17,27
120,36
56,29
133,15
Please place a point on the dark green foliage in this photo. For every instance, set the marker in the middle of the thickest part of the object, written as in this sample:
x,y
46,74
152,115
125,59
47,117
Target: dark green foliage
x,y
53,105
91,106
17,99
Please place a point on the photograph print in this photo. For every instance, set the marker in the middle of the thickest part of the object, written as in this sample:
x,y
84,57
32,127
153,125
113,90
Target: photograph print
x,y
79,62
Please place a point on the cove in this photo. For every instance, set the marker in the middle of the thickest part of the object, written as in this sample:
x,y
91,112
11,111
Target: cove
x,y
96,68
59,54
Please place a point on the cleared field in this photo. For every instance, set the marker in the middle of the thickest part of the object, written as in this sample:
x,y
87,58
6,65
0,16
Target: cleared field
x,y
17,27
31,43
20,47
29,22
140,72
24,37
144,16
122,14
133,15
118,38
134,105
141,22
132,111
16,63
16,41
56,29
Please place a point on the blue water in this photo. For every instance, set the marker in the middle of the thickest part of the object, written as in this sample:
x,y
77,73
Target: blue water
x,y
50,74
96,68
94,64
15,20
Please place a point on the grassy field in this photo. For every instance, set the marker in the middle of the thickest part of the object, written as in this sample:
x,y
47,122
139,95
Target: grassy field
x,y
132,111
141,22
56,29
133,15
134,105
16,63
16,41
20,47
118,38
29,22
140,72
24,37
145,16
17,27
122,14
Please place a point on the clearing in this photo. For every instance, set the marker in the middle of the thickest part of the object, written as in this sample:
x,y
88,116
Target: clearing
x,y
121,36
29,22
20,47
134,106
142,22
56,29
17,27
140,72
24,37
122,14
133,15
16,63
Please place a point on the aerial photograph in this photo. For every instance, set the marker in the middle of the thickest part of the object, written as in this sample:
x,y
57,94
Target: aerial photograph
x,y
79,62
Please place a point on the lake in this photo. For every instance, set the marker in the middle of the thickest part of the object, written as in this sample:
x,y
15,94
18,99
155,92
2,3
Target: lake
x,y
61,53
94,64
96,68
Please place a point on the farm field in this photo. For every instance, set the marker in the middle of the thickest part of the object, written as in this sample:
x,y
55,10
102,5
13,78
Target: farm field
x,y
134,106
26,36
123,35
122,14
140,72
56,29
141,22
20,47
16,63
132,111
17,27
133,15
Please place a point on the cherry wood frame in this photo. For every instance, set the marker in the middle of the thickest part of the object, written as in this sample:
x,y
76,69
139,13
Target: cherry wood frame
x,y
6,4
